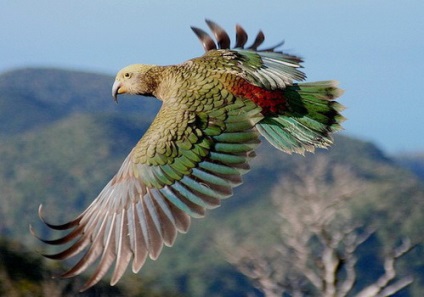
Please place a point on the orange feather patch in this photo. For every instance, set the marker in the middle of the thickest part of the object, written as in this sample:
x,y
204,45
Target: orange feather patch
x,y
271,101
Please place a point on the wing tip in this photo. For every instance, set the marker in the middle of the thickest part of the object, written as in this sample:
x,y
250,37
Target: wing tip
x,y
222,39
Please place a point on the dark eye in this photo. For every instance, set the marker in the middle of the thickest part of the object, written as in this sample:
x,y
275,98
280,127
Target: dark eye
x,y
127,75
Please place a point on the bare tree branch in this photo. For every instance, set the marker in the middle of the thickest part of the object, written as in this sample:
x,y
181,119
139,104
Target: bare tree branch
x,y
382,286
261,269
319,240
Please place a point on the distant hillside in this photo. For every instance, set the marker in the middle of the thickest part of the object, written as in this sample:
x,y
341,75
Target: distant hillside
x,y
414,162
34,97
62,138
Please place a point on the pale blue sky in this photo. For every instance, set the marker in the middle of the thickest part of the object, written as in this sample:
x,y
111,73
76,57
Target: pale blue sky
x,y
374,48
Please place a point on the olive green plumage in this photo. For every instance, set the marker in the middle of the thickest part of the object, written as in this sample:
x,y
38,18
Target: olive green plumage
x,y
214,109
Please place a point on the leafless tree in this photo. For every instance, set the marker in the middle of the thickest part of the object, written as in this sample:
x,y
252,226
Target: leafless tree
x,y
317,252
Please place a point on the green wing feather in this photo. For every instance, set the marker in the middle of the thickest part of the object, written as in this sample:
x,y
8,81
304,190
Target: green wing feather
x,y
312,116
270,70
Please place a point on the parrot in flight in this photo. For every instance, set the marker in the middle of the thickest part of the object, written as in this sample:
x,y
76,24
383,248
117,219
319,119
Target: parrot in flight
x,y
214,110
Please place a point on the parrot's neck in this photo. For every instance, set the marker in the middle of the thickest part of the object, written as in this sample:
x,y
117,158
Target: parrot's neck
x,y
151,80
161,81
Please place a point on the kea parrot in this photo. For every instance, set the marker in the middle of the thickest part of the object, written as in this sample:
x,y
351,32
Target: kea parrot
x,y
214,110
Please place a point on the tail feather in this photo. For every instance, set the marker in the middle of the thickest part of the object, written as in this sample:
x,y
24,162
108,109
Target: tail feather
x,y
311,118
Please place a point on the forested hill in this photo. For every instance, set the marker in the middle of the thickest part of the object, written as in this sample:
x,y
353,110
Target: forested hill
x,y
34,97
62,137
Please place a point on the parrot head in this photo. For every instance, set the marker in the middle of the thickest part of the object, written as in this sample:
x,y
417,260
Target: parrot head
x,y
133,80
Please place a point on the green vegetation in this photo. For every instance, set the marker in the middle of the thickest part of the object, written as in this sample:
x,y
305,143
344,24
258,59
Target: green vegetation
x,y
62,138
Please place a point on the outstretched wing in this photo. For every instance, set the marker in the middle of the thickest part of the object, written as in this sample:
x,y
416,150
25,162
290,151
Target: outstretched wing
x,y
269,68
185,163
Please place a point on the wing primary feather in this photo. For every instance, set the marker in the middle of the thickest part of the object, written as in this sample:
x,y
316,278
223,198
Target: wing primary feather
x,y
202,200
155,239
216,168
166,219
139,246
82,243
142,217
162,204
200,188
73,250
229,159
91,255
260,37
65,226
62,240
217,184
273,48
182,219
221,36
123,254
271,78
207,42
231,174
194,210
260,79
209,178
241,37
107,258
152,210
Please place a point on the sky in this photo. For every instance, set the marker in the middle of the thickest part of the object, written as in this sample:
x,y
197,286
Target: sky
x,y
374,48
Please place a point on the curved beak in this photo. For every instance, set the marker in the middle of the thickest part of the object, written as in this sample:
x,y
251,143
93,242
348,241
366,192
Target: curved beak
x,y
117,89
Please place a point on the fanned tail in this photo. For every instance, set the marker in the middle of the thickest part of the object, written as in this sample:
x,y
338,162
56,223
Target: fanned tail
x,y
311,117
